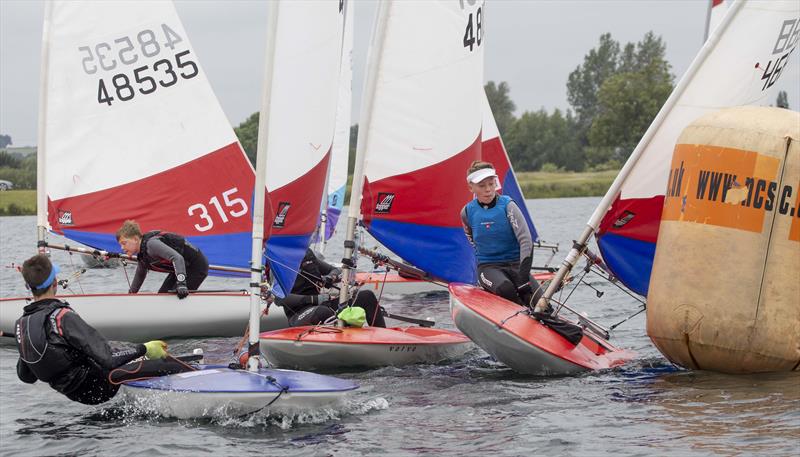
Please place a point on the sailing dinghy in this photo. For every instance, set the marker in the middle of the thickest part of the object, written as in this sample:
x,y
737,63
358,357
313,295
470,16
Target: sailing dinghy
x,y
398,281
213,390
130,129
419,88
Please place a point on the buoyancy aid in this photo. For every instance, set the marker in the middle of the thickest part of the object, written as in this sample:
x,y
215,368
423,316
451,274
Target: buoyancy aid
x,y
495,241
43,349
173,240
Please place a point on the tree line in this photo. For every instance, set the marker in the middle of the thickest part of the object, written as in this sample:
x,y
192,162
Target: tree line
x,y
20,170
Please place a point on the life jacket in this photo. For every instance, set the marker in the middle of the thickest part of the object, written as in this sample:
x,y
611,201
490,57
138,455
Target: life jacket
x,y
309,272
495,241
173,240
47,354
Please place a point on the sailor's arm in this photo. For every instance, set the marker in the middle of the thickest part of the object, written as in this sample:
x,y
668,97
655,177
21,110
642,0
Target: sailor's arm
x,y
91,343
138,278
466,227
158,248
523,234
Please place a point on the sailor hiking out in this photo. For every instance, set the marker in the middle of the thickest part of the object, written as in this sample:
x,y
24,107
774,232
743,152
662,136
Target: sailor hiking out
x,y
56,346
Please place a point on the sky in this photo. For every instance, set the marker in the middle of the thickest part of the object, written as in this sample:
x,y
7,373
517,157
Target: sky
x,y
533,45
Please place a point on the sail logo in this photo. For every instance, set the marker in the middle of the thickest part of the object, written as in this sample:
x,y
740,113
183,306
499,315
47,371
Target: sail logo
x,y
624,219
65,217
280,216
384,204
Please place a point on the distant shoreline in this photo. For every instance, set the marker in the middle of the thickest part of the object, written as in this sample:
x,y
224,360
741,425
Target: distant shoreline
x,y
534,185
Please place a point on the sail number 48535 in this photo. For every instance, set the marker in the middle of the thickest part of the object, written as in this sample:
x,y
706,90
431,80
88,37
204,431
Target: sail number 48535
x,y
236,207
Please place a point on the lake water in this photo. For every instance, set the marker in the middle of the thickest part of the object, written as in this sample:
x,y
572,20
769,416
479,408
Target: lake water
x,y
473,406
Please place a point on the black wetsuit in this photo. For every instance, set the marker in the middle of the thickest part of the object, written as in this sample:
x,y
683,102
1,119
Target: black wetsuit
x,y
170,253
56,346
306,306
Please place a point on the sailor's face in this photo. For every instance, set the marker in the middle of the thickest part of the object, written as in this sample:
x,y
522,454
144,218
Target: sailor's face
x,y
130,245
484,190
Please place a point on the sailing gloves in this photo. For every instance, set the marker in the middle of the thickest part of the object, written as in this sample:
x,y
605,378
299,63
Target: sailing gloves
x,y
330,279
156,349
181,289
320,299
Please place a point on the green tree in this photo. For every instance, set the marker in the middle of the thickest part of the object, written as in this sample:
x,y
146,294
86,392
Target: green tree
x,y
247,132
537,138
5,140
783,100
584,82
502,105
628,101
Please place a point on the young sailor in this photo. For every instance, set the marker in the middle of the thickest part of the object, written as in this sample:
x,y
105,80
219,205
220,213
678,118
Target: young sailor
x,y
496,228
305,305
56,346
165,252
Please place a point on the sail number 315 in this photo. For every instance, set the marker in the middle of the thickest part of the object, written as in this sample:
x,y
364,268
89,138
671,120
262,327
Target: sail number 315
x,y
236,207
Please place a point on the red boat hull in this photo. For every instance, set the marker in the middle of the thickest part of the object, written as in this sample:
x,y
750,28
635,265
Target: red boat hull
x,y
334,348
523,343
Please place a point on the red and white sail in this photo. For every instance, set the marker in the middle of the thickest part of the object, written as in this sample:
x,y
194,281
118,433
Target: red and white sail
x,y
420,130
130,129
739,65
716,11
304,88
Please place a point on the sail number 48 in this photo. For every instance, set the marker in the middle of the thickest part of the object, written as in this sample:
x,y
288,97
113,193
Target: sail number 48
x,y
207,223
473,34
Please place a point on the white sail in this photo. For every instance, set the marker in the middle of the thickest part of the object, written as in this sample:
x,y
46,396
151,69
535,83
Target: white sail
x,y
420,130
130,129
302,115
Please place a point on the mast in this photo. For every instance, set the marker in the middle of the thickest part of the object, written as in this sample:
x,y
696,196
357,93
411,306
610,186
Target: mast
x,y
354,210
259,197
708,20
41,188
579,246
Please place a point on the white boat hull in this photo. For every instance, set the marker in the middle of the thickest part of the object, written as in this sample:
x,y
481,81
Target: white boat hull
x,y
143,317
213,391
190,405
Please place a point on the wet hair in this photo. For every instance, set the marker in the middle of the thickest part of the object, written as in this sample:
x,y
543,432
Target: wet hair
x,y
478,165
35,271
129,229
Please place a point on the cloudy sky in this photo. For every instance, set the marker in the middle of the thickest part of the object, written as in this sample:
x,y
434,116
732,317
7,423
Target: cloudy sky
x,y
531,44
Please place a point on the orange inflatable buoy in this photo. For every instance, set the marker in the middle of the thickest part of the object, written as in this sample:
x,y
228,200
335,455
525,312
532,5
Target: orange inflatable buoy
x,y
725,286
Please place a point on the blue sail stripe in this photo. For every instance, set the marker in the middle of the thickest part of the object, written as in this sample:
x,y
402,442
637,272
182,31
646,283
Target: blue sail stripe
x,y
631,260
285,252
443,252
231,250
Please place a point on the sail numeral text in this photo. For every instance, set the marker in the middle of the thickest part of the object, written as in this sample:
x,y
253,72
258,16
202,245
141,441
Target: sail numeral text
x,y
164,69
473,32
785,43
207,222
103,56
